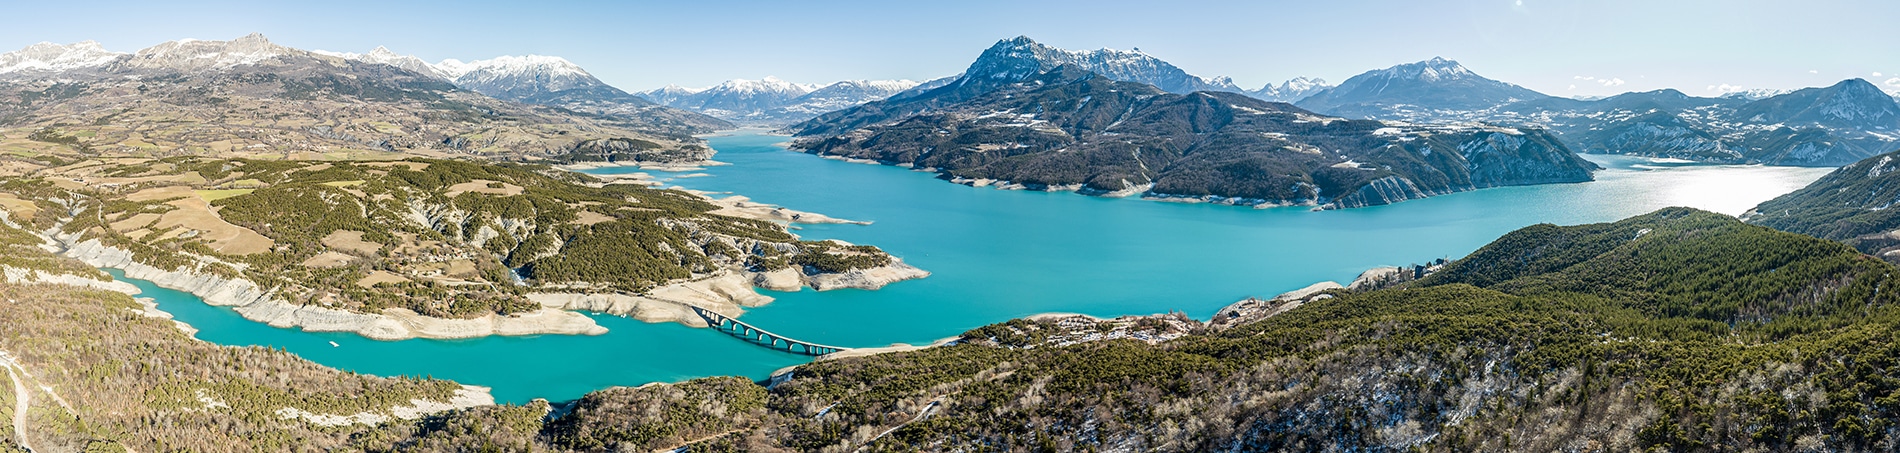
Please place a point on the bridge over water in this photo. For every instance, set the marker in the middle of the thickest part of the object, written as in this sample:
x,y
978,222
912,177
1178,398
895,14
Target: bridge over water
x,y
761,337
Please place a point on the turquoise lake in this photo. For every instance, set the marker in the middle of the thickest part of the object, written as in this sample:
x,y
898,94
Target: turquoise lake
x,y
1000,254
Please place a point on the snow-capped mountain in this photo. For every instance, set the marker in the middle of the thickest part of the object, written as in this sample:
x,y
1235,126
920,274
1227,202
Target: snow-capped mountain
x,y
1821,126
740,96
1291,90
1852,103
1020,58
668,95
774,101
928,85
199,55
839,96
1415,91
47,57
382,55
519,77
1755,94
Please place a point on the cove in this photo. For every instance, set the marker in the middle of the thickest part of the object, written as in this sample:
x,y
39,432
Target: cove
x,y
997,255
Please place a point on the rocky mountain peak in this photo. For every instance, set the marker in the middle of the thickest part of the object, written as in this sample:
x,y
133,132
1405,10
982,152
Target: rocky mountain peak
x,y
382,52
197,55
1435,69
518,77
1858,99
1020,58
1438,84
1850,104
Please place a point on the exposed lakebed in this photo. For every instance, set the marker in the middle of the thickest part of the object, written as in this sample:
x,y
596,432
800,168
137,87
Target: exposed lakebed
x,y
999,254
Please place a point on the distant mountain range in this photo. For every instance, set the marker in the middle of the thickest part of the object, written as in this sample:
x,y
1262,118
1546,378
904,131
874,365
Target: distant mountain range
x,y
1068,128
772,101
551,81
1290,91
1823,126
301,101
1827,126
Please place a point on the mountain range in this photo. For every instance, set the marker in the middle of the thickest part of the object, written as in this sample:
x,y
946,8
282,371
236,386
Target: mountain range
x,y
1290,91
1826,126
252,96
1068,128
1823,126
551,81
772,101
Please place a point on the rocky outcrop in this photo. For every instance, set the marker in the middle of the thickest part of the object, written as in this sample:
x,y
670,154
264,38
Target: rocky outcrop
x,y
466,397
259,304
871,278
1387,190
1253,309
787,279
31,276
728,294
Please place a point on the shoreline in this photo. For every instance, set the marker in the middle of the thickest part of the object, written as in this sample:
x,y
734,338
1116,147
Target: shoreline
x,y
257,304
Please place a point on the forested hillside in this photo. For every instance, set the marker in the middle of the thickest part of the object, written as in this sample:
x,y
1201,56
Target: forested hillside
x,y
1850,205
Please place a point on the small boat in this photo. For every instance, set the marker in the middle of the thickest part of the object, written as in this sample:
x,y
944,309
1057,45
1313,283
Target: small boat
x,y
333,344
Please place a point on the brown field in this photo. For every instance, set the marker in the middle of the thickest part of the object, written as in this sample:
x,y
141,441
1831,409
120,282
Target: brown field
x,y
195,214
328,260
350,241
482,186
380,277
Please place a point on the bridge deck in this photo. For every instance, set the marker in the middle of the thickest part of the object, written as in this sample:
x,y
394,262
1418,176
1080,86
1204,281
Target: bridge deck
x,y
761,337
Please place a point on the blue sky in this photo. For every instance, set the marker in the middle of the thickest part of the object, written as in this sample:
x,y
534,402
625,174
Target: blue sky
x,y
1558,47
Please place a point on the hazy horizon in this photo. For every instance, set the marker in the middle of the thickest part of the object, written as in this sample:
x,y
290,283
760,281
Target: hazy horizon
x,y
1703,48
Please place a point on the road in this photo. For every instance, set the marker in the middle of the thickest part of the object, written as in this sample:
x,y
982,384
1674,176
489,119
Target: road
x,y
22,401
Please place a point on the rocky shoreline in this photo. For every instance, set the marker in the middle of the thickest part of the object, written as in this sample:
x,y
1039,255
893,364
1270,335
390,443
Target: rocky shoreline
x,y
261,305
728,294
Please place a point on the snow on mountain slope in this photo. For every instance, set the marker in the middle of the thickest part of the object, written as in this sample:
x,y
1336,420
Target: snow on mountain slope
x,y
47,57
199,55
1017,59
516,77
774,101
670,94
382,55
1413,89
1290,91
845,94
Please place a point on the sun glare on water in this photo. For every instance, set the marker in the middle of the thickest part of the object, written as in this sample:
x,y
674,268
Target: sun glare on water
x,y
1728,192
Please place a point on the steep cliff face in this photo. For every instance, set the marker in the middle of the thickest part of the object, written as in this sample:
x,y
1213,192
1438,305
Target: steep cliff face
x,y
1069,129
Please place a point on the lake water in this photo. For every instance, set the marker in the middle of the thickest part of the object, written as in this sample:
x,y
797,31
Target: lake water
x,y
1000,254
